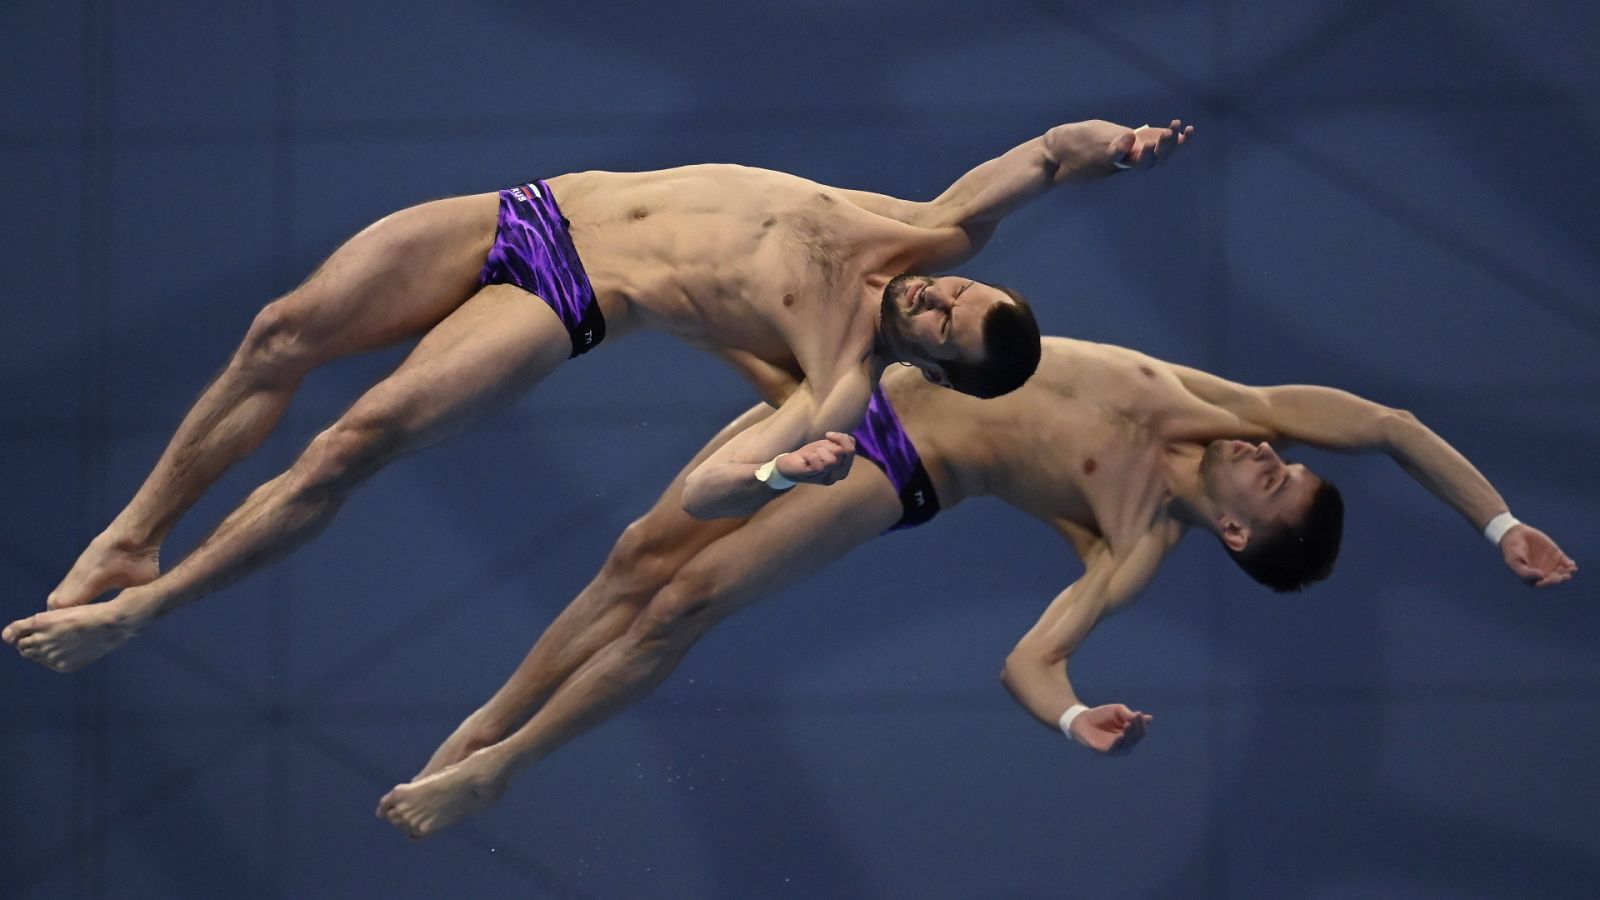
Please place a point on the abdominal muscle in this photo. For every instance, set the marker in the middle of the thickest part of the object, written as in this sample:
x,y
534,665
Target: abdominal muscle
x,y
710,254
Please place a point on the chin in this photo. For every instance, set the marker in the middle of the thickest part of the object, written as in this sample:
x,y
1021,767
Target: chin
x,y
891,320
1211,463
895,291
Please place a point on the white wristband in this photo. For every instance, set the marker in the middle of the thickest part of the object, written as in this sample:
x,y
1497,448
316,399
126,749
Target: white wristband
x,y
769,475
1067,717
1498,526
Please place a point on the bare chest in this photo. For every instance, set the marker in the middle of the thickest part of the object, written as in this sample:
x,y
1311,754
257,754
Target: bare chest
x,y
1095,466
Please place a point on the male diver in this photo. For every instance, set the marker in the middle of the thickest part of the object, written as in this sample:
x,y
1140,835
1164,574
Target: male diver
x,y
788,280
1122,453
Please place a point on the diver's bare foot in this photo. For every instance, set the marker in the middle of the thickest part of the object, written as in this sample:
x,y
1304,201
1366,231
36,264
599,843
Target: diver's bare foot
x,y
69,639
469,737
429,805
106,564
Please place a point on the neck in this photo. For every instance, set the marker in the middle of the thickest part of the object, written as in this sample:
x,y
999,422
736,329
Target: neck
x,y
1189,501
884,351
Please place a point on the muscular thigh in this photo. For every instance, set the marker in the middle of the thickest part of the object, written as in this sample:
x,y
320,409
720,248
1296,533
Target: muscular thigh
x,y
797,536
398,277
494,347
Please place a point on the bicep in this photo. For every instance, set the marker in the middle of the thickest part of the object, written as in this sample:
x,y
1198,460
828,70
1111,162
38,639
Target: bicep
x,y
1109,583
1248,403
1328,418
935,237
911,212
1324,417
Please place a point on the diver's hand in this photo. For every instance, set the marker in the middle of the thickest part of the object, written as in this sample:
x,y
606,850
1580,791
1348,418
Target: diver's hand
x,y
1535,558
1111,730
1143,147
820,462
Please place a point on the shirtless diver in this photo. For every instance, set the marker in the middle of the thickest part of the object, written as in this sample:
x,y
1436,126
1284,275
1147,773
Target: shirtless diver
x,y
1122,453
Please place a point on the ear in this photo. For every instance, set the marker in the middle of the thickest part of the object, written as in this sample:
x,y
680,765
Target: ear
x,y
936,375
1234,533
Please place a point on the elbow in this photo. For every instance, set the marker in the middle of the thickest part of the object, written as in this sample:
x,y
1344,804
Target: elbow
x,y
1394,424
1022,658
1010,677
697,500
1401,416
943,211
704,498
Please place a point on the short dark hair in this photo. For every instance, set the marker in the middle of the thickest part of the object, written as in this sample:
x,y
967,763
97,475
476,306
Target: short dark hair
x,y
1010,351
1290,557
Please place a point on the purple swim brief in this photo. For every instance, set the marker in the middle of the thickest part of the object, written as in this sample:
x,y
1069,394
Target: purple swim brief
x,y
881,440
533,251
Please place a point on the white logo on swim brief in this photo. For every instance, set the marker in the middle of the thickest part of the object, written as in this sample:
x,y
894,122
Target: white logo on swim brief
x,y
588,338
917,497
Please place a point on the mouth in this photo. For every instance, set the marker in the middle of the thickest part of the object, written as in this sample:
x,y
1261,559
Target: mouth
x,y
914,296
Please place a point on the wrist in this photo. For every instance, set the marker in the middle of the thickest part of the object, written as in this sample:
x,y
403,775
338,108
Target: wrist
x,y
1070,716
769,475
1497,527
1070,146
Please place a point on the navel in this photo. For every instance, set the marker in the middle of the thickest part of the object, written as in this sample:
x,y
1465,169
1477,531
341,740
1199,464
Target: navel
x,y
1089,465
640,212
788,299
1148,372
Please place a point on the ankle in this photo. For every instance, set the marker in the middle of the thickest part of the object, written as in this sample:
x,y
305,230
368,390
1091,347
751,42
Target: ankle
x,y
133,609
128,540
488,768
483,729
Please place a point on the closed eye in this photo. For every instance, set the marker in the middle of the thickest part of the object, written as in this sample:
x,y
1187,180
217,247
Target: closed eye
x,y
1282,482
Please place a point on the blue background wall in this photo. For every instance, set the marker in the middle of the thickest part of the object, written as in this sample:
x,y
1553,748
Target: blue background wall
x,y
1398,198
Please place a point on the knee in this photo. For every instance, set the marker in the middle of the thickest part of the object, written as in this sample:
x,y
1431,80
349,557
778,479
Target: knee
x,y
345,454
682,610
640,563
277,348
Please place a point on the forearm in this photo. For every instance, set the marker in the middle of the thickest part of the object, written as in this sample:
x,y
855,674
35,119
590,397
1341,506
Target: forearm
x,y
1074,152
1036,669
1341,421
1440,468
1040,685
722,490
801,434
